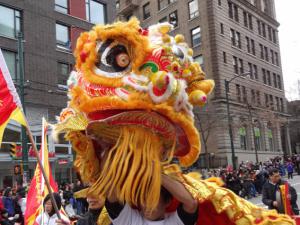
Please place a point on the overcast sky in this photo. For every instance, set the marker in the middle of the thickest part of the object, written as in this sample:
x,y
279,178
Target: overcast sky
x,y
288,15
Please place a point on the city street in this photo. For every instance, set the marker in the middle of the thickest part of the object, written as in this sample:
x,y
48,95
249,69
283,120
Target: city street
x,y
295,183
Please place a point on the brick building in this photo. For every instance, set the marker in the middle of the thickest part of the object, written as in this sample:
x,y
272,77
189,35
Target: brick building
x,y
50,31
230,38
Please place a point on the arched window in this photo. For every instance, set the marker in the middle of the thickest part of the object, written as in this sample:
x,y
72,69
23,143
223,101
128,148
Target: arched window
x,y
243,137
270,137
257,137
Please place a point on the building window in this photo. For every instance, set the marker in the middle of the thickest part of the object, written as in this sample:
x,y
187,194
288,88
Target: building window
x,y
200,60
271,101
95,12
220,2
261,51
244,91
238,39
279,82
253,97
277,107
146,10
230,9
173,19
272,56
263,25
269,78
250,22
266,54
222,28
238,92
274,37
281,105
224,57
63,36
162,4
232,36
243,137
275,80
241,66
236,13
196,36
193,9
264,75
235,64
259,27
250,70
270,33
270,137
63,71
248,44
258,98
62,6
276,59
10,22
253,47
266,100
245,19
255,72
11,62
256,138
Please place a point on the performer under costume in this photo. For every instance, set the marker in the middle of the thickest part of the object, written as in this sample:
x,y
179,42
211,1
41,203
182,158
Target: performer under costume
x,y
131,112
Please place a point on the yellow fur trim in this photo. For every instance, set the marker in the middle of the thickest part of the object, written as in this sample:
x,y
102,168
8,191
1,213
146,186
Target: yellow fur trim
x,y
132,170
103,219
85,162
238,210
86,104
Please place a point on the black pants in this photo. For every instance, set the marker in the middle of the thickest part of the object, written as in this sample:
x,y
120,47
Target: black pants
x,y
290,175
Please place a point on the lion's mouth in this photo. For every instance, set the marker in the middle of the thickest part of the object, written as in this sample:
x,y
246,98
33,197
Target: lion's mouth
x,y
108,120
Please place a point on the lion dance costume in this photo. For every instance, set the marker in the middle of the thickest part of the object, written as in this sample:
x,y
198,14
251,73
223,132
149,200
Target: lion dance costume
x,y
134,90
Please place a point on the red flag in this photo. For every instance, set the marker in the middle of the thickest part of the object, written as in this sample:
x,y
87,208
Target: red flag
x,y
10,105
37,190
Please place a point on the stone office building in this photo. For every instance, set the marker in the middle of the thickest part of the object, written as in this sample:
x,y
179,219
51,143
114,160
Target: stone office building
x,y
230,39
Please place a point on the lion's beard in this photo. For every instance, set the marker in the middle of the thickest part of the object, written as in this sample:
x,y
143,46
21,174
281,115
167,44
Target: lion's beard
x,y
132,169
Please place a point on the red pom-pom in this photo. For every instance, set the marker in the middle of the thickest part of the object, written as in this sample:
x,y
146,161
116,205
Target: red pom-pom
x,y
83,56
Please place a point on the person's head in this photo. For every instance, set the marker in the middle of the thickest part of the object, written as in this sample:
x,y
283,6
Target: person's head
x,y
274,175
48,206
160,210
4,213
8,192
95,203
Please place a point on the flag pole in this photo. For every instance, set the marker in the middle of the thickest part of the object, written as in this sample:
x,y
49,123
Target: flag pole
x,y
31,139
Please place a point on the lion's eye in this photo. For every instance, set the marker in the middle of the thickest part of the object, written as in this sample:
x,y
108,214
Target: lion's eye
x,y
123,59
178,52
112,59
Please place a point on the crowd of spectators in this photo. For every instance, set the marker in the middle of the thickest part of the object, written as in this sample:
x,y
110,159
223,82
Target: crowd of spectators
x,y
13,203
247,181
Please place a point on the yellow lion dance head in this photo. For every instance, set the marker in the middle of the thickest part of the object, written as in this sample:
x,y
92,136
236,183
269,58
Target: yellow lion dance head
x,y
131,108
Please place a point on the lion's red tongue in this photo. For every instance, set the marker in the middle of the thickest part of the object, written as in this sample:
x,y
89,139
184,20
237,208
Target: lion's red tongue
x,y
101,115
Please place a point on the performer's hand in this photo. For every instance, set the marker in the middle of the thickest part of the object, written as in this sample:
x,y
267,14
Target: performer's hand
x,y
62,222
275,204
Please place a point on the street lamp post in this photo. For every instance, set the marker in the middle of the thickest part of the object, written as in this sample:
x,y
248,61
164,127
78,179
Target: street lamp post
x,y
227,82
22,98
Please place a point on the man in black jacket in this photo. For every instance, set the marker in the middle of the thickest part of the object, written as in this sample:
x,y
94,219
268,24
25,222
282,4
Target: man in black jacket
x,y
271,195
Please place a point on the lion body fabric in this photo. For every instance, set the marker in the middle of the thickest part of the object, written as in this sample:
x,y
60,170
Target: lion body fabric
x,y
130,113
